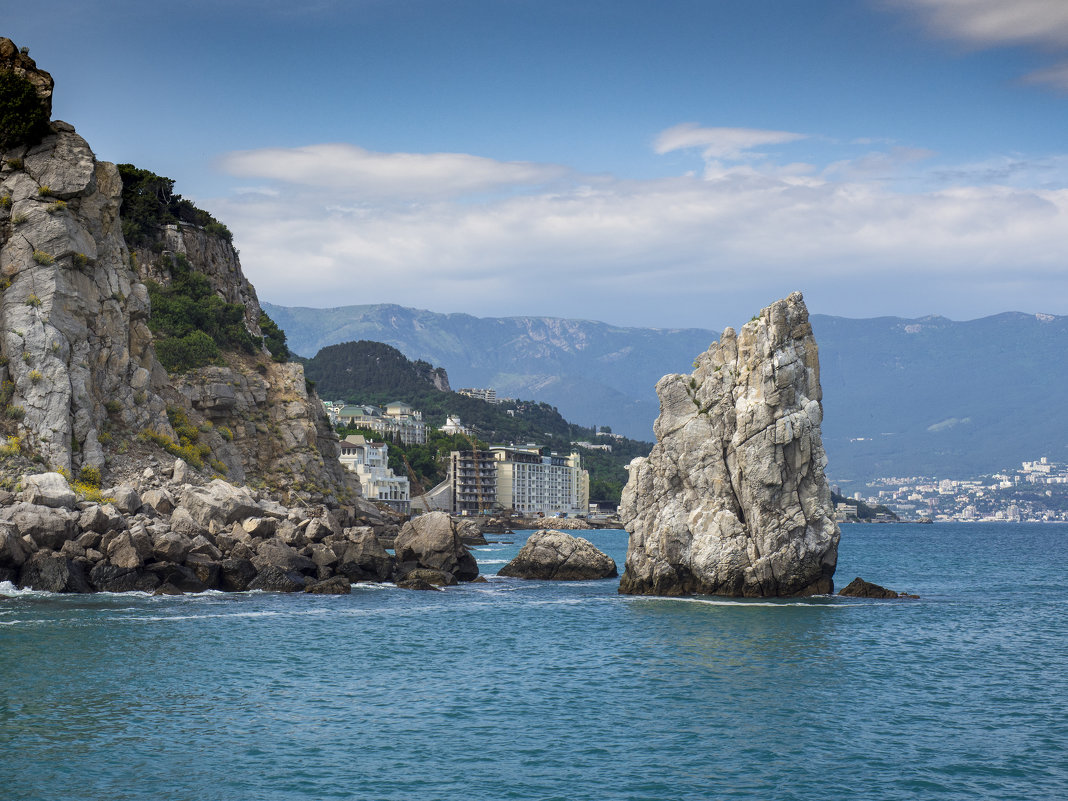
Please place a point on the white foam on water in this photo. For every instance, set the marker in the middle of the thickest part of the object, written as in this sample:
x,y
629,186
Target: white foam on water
x,y
741,603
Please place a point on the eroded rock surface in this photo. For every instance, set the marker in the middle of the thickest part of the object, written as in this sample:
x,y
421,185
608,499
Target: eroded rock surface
x,y
733,499
557,556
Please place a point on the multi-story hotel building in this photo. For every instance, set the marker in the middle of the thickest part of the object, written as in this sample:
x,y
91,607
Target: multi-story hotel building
x,y
533,484
370,462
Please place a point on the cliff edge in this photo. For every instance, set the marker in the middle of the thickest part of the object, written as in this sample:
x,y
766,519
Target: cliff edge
x,y
85,387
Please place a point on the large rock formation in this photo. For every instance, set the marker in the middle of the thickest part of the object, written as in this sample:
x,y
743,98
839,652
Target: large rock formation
x,y
733,499
80,383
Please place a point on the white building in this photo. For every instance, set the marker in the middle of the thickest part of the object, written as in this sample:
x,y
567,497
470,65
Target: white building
x,y
533,484
397,421
370,462
453,425
488,395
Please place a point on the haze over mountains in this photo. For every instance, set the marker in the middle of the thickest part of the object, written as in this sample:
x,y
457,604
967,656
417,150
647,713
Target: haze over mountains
x,y
928,396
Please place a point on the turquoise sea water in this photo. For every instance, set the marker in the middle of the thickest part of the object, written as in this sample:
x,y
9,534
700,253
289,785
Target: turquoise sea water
x,y
532,690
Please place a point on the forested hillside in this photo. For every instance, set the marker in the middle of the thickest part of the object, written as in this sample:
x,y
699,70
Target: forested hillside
x,y
375,373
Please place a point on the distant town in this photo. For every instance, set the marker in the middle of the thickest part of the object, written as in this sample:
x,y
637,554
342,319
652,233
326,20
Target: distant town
x,y
1037,491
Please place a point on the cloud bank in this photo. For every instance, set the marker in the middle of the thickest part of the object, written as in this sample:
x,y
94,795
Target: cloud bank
x,y
680,250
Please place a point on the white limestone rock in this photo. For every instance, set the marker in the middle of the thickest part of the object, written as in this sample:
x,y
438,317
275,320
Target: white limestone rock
x,y
733,499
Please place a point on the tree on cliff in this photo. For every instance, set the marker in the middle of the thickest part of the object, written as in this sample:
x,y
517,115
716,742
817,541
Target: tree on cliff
x,y
23,118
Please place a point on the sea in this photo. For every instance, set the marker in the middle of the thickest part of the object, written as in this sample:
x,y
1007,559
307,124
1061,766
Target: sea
x,y
567,691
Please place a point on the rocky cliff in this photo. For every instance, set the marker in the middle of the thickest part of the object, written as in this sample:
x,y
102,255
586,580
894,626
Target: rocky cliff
x,y
82,387
733,499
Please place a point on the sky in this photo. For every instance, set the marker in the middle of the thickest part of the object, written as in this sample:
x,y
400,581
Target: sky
x,y
679,163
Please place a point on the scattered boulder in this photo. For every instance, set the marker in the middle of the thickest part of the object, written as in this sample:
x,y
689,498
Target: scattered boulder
x,y
362,557
219,501
272,578
171,546
48,489
48,527
338,585
51,572
101,519
275,553
733,499
160,500
180,576
859,588
126,499
111,578
557,556
12,551
433,541
235,575
439,578
470,532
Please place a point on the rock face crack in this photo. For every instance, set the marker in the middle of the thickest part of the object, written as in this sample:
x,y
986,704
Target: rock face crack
x,y
755,518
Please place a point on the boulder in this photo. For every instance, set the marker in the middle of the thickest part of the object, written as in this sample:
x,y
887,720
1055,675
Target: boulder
x,y
470,532
182,522
433,542
111,578
362,558
219,501
48,527
439,578
207,570
733,499
275,553
272,578
51,572
126,499
122,552
160,500
12,551
859,588
260,526
48,489
338,585
557,556
180,576
101,519
236,574
171,547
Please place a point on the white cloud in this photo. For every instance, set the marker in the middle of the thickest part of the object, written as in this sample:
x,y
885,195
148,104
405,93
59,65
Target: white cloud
x,y
720,143
365,173
990,23
1055,76
668,251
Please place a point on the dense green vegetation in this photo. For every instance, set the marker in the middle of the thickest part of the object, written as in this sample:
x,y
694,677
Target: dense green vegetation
x,y
193,325
149,201
274,338
375,373
428,463
23,119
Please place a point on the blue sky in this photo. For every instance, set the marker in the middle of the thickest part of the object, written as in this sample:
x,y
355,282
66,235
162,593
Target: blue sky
x,y
678,163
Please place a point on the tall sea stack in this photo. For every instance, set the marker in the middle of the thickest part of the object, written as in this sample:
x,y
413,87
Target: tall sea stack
x,y
733,499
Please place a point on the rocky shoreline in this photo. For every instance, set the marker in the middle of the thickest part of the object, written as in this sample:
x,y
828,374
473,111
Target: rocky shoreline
x,y
178,538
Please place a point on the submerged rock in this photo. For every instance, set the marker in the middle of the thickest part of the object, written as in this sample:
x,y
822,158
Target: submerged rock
x,y
733,500
556,556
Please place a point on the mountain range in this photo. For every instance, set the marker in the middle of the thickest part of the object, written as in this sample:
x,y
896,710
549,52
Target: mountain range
x,y
902,397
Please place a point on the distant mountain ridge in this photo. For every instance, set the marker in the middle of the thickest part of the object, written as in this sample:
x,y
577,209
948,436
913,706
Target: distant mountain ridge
x,y
927,396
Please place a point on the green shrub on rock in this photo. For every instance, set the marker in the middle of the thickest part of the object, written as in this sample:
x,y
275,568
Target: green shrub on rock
x,y
23,119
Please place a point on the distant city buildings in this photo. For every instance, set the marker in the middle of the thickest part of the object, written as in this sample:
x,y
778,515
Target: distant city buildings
x,y
370,461
453,425
1037,491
